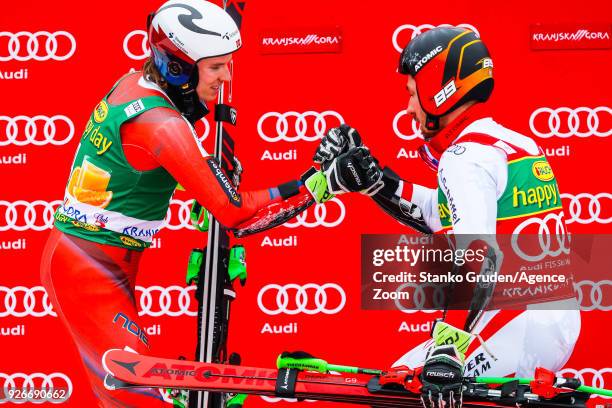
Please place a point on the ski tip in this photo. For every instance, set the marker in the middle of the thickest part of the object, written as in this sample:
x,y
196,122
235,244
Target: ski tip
x,y
104,359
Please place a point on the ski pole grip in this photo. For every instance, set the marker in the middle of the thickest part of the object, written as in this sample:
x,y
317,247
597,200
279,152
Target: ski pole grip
x,y
311,364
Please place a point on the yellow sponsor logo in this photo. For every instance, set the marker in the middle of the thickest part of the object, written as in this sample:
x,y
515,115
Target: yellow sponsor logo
x,y
96,138
88,227
540,195
100,112
61,217
443,211
542,171
129,241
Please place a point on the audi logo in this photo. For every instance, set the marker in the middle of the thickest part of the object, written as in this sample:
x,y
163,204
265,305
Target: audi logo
x,y
155,301
419,297
320,216
592,209
158,301
23,215
138,42
416,132
566,122
39,46
299,121
309,299
53,132
590,377
36,388
416,30
547,245
21,301
178,215
595,293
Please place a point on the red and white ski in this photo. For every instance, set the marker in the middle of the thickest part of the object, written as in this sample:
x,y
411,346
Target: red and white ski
x,y
130,370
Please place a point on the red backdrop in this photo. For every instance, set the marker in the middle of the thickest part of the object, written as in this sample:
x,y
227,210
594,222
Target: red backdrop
x,y
57,59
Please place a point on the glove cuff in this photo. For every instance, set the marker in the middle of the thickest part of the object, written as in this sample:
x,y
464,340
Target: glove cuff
x,y
391,183
447,354
316,183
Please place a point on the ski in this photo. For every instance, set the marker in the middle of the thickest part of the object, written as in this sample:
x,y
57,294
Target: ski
x,y
214,286
390,389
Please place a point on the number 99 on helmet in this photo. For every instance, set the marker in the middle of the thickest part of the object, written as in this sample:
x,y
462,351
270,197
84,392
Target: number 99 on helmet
x,y
450,67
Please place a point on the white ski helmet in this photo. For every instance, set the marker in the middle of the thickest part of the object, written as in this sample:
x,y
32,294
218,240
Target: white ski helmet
x,y
182,32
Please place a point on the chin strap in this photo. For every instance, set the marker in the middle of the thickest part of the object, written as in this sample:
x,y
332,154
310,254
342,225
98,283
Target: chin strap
x,y
186,99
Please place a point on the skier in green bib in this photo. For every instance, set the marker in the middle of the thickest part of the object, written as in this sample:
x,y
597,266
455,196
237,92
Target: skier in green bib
x,y
138,144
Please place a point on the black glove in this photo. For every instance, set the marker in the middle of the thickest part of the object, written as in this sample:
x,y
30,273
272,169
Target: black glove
x,y
335,142
442,378
355,170
236,172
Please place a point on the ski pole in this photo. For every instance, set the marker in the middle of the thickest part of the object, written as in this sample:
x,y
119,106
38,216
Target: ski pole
x,y
304,361
503,380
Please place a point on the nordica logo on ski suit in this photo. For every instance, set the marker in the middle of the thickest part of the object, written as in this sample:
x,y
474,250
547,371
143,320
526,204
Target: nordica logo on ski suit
x,y
427,57
226,185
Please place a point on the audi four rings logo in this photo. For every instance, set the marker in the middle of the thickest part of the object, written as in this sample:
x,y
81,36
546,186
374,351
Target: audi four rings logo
x,y
22,215
566,122
136,45
300,128
547,245
22,130
591,377
416,132
38,46
320,216
416,30
159,301
592,210
418,295
310,299
21,301
178,215
36,388
594,291
155,301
